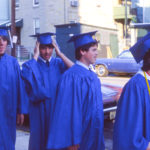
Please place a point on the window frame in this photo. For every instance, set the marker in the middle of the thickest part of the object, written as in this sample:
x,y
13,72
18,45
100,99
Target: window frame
x,y
17,4
36,25
74,3
35,3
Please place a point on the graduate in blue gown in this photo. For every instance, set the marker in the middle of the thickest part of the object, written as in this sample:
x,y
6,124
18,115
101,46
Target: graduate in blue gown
x,y
132,123
77,121
41,75
11,95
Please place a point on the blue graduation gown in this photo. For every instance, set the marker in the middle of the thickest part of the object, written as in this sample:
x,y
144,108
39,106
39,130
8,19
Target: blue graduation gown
x,y
78,112
11,100
132,124
41,82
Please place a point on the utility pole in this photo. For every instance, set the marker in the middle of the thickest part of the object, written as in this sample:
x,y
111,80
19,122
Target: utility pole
x,y
64,11
13,25
126,22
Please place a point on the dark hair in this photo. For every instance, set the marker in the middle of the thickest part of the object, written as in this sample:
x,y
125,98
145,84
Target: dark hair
x,y
5,38
146,61
83,48
43,46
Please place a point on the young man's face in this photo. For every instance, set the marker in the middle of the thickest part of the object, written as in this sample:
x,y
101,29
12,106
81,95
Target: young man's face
x,y
46,52
90,55
3,45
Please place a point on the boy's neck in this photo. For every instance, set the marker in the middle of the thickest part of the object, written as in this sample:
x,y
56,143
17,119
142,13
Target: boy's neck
x,y
84,62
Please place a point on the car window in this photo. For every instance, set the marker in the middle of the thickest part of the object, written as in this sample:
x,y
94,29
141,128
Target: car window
x,y
126,54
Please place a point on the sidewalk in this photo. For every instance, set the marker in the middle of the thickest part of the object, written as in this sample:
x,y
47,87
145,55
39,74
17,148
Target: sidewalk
x,y
22,140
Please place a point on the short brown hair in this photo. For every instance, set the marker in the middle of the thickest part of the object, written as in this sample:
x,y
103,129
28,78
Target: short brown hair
x,y
5,38
83,48
42,46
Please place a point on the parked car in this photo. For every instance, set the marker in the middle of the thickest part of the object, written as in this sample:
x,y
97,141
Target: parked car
x,y
123,63
111,95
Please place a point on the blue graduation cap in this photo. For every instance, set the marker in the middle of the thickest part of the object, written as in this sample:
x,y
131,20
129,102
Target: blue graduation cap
x,y
4,31
83,39
139,49
44,38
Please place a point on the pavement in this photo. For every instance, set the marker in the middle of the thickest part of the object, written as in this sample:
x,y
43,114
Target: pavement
x,y
22,140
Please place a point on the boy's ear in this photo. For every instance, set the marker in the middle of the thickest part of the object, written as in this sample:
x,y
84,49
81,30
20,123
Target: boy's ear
x,y
82,52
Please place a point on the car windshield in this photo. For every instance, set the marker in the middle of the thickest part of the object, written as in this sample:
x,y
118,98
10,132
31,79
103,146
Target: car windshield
x,y
126,54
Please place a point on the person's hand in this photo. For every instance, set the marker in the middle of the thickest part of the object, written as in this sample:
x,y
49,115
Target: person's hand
x,y
36,50
148,147
57,50
66,60
74,147
20,119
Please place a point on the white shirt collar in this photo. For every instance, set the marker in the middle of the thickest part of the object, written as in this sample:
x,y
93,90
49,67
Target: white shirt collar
x,y
82,64
44,59
141,72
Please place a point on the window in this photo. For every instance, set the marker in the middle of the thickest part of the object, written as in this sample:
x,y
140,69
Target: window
x,y
98,3
36,25
74,3
126,54
35,2
73,21
17,3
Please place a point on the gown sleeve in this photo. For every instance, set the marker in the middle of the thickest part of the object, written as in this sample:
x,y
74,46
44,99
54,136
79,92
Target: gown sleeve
x,y
129,123
22,102
33,82
62,65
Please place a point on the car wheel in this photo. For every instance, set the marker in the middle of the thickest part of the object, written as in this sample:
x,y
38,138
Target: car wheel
x,y
101,70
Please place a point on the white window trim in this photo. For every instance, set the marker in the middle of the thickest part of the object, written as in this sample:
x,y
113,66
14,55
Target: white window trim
x,y
74,3
17,5
35,5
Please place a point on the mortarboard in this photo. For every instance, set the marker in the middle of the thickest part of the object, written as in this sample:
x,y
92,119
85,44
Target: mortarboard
x,y
139,49
44,38
83,39
4,31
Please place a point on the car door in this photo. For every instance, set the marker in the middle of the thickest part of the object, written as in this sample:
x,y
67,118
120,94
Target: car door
x,y
119,65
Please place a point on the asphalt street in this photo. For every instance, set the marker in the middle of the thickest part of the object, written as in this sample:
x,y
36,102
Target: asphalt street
x,y
22,140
